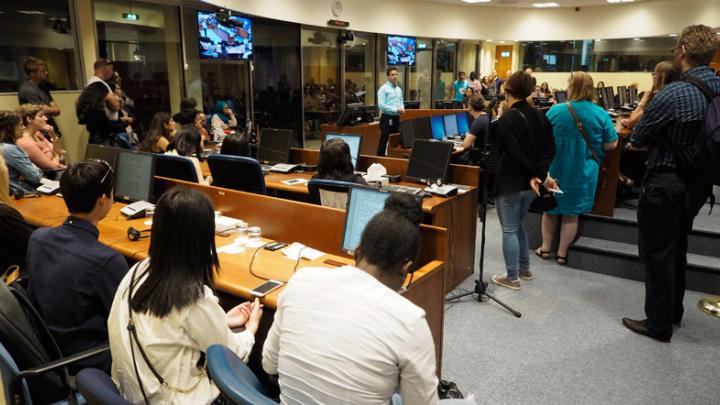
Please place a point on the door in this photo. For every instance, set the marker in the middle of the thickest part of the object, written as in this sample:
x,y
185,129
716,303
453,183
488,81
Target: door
x,y
503,60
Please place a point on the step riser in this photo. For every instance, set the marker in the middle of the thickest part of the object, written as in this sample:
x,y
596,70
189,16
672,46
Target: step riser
x,y
698,279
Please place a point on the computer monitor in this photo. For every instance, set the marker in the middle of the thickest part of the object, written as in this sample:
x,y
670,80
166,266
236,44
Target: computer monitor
x,y
609,96
363,204
354,141
444,105
561,96
407,132
274,145
429,160
633,93
412,105
134,176
451,127
356,113
438,127
463,123
106,153
423,129
622,95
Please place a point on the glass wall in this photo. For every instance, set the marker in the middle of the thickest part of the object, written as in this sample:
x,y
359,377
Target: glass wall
x,y
41,29
277,97
382,67
446,57
419,83
601,55
145,52
320,69
360,69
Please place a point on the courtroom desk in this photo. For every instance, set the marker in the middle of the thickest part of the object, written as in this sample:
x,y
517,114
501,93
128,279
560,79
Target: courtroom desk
x,y
457,214
234,276
419,113
370,133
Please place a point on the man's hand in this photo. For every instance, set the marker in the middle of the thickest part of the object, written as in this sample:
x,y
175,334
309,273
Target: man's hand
x,y
401,111
535,185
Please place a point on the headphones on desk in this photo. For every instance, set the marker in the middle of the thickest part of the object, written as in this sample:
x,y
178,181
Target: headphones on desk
x,y
135,235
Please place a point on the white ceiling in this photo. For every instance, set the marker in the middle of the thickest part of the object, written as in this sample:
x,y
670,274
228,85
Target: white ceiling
x,y
529,3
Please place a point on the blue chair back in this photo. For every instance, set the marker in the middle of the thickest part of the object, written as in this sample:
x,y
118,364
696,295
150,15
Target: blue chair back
x,y
176,167
8,371
98,388
334,186
234,379
237,172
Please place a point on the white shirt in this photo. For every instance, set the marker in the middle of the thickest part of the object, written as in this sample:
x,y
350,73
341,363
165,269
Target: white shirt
x,y
196,163
341,337
173,344
112,115
218,126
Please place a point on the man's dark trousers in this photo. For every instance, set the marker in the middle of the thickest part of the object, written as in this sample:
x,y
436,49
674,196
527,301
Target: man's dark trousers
x,y
387,128
664,222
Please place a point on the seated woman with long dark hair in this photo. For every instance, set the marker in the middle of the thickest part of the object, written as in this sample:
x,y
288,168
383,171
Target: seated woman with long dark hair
x,y
236,144
169,300
92,109
336,163
161,132
187,143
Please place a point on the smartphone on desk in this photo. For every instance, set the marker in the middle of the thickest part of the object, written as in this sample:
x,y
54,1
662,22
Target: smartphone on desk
x,y
266,287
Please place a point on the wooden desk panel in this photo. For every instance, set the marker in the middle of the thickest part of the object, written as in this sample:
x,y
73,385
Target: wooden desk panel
x,y
370,134
412,114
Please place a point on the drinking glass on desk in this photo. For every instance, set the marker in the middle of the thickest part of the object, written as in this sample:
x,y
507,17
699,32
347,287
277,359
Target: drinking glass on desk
x,y
149,213
254,233
241,233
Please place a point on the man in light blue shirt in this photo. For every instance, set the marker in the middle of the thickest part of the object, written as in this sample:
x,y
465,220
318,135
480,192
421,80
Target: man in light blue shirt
x,y
459,87
390,103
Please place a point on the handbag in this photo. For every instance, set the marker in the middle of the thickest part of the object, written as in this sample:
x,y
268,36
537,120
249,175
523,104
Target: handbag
x,y
449,390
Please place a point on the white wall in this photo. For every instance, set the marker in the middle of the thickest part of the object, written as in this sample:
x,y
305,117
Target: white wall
x,y
442,20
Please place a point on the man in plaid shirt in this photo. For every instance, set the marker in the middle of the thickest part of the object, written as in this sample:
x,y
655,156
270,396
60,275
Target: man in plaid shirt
x,y
665,215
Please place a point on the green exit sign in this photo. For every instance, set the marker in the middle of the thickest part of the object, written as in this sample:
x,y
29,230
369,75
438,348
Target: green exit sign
x,y
131,16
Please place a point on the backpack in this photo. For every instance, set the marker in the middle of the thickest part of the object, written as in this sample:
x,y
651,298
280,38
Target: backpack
x,y
701,159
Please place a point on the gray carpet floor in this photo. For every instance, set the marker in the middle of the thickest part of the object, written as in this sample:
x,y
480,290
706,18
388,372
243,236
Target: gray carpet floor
x,y
570,347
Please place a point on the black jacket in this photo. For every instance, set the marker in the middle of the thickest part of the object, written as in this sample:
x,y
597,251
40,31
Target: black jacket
x,y
525,149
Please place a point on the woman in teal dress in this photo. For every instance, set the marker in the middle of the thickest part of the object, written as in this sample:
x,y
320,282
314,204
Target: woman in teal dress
x,y
573,167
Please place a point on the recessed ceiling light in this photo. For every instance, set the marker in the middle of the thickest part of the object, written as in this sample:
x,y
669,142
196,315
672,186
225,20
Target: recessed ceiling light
x,y
636,39
501,42
476,1
620,1
31,12
545,5
673,35
489,40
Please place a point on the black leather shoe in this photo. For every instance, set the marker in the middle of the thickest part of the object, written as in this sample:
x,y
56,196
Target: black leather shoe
x,y
640,327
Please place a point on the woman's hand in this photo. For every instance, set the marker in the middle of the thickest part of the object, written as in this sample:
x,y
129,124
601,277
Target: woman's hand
x,y
239,315
255,314
551,183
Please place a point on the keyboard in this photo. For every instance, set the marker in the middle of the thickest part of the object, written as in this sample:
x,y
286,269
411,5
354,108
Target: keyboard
x,y
402,189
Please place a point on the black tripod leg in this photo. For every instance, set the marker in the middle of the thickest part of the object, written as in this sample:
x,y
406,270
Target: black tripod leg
x,y
492,297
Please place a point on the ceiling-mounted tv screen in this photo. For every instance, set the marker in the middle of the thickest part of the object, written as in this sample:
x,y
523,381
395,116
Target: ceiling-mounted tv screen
x,y
229,39
401,50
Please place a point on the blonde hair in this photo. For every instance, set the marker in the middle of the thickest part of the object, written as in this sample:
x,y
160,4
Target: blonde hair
x,y
581,87
28,112
4,183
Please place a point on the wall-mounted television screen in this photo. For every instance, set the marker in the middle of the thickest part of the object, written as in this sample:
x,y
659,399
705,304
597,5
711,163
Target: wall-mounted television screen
x,y
401,50
231,39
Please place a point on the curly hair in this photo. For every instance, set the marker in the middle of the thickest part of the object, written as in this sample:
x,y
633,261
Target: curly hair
x,y
92,99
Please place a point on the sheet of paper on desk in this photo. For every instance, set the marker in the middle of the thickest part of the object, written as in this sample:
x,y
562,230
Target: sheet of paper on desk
x,y
291,182
295,249
231,249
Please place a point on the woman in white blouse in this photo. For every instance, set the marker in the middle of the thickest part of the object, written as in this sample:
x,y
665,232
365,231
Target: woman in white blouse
x,y
222,119
188,143
168,300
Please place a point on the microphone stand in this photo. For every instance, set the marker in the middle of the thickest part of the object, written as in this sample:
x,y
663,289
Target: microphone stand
x,y
480,289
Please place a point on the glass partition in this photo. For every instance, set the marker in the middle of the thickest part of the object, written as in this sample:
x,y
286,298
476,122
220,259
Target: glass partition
x,y
360,69
419,82
446,57
320,69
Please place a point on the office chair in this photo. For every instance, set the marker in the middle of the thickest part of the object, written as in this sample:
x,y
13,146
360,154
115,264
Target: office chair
x,y
234,379
237,172
98,388
329,193
33,365
175,167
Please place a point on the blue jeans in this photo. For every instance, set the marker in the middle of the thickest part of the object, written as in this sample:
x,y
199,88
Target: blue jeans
x,y
512,209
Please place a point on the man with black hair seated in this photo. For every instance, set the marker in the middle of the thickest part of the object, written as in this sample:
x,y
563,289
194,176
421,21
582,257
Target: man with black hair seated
x,y
73,277
345,336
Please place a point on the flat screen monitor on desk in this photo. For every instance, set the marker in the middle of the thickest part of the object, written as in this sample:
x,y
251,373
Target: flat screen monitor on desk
x,y
444,105
451,127
354,141
429,160
363,205
423,129
407,133
633,95
274,145
438,127
609,96
134,176
412,105
106,153
622,95
463,123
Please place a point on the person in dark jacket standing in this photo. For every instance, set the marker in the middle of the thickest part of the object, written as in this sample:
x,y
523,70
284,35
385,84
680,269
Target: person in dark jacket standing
x,y
525,149
667,207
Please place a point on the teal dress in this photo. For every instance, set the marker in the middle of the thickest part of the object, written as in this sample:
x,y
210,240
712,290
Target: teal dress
x,y
573,166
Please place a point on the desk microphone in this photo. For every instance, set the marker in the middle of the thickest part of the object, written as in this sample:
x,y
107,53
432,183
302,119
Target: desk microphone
x,y
135,235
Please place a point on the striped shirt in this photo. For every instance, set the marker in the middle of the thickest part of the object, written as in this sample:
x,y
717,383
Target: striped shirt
x,y
673,118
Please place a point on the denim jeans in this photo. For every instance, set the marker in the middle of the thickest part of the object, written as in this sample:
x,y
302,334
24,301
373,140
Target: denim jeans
x,y
512,209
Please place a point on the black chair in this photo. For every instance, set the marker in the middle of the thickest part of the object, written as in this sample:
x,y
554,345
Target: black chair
x,y
31,362
330,193
176,167
98,388
237,172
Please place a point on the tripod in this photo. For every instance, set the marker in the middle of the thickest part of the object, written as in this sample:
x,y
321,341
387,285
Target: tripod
x,y
481,285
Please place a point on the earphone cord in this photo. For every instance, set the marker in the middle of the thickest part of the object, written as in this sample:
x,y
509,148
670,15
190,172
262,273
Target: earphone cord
x,y
252,259
297,263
